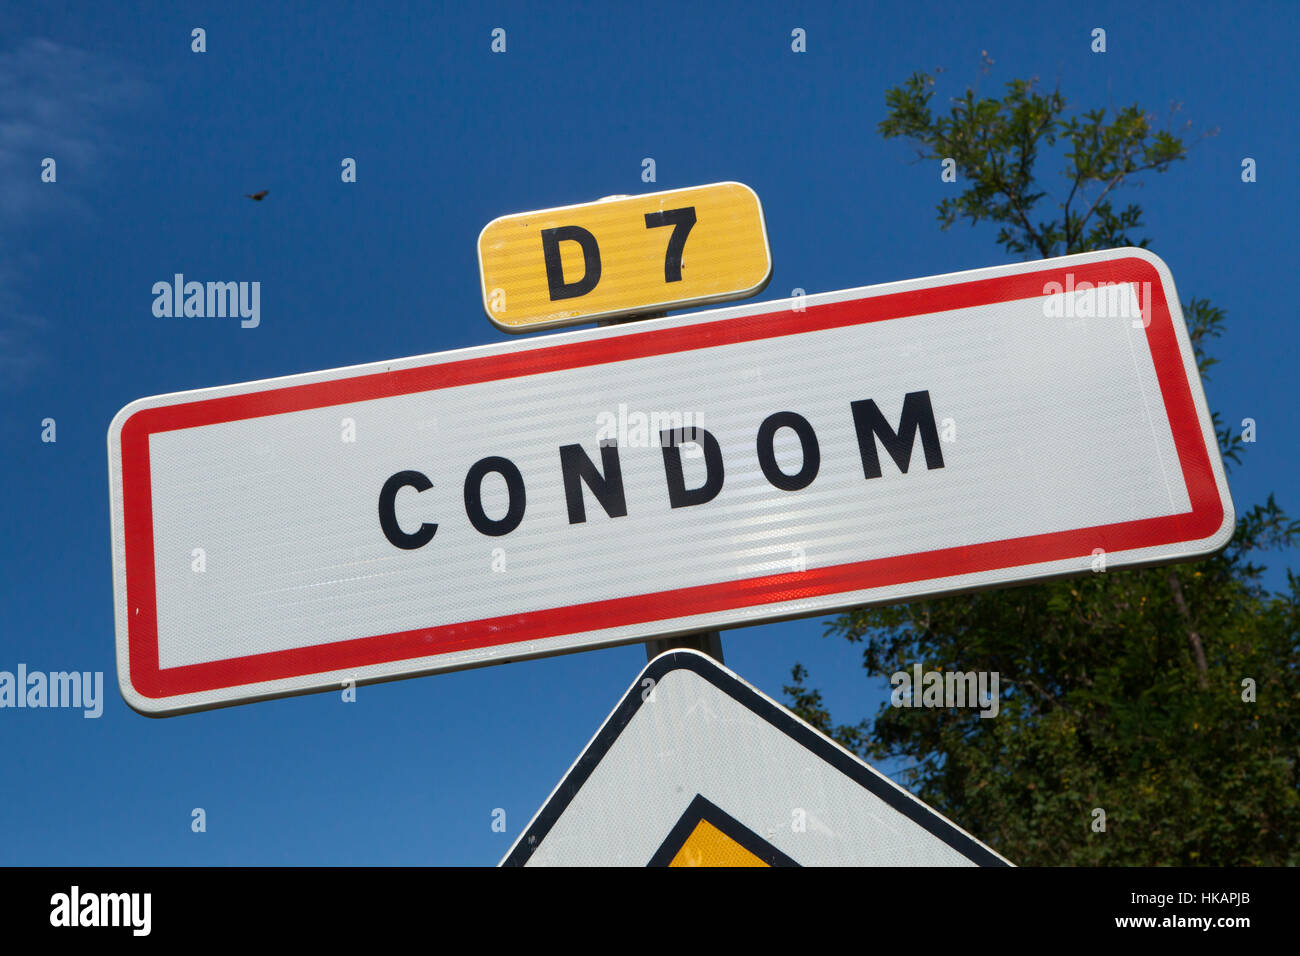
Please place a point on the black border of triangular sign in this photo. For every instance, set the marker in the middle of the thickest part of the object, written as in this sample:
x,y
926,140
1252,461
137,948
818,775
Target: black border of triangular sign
x,y
702,810
780,718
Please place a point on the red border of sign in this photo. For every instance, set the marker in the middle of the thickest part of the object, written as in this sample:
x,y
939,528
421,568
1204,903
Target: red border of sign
x,y
149,680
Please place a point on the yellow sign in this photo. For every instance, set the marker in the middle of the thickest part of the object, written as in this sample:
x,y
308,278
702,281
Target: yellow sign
x,y
623,255
706,835
709,846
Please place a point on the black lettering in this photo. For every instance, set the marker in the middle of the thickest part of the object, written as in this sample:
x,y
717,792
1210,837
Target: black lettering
x,y
608,488
871,424
679,496
388,511
474,496
551,239
681,220
812,456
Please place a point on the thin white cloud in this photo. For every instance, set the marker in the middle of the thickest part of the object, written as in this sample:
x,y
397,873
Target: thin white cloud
x,y
55,101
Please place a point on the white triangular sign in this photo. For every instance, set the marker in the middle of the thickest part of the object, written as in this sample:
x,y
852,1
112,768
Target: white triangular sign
x,y
697,767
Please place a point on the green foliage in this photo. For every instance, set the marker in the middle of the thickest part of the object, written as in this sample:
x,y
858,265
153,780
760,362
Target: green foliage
x,y
1121,690
996,143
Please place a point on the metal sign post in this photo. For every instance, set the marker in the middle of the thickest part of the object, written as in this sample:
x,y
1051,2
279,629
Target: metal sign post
x,y
717,250
706,642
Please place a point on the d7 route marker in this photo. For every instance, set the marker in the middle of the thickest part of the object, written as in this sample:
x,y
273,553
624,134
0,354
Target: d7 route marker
x,y
608,485
622,256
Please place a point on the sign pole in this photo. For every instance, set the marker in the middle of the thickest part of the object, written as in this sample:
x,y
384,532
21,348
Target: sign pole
x,y
706,642
730,249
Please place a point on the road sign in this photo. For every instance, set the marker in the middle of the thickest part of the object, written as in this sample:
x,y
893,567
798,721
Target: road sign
x,y
697,768
622,256
540,496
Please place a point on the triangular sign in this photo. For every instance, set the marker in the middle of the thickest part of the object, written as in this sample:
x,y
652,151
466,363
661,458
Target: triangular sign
x,y
695,767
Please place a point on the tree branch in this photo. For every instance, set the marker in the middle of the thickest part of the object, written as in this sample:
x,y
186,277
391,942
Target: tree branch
x,y
1193,638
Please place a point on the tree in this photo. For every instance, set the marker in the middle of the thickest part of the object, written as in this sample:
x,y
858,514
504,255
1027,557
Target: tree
x,y
1128,691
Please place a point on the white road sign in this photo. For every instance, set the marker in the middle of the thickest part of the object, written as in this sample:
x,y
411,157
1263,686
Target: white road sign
x,y
695,767
542,496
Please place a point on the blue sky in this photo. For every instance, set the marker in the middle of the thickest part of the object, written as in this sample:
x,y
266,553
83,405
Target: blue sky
x,y
156,146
